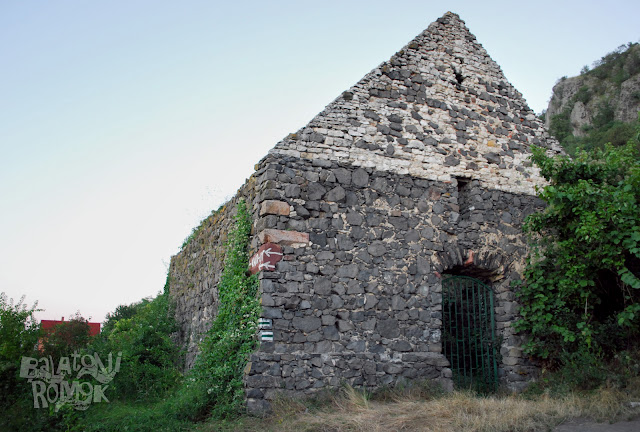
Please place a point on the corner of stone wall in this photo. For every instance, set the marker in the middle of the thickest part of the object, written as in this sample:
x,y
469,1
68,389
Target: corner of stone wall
x,y
195,271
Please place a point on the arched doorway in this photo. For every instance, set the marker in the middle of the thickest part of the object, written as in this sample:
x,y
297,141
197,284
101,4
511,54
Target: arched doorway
x,y
468,329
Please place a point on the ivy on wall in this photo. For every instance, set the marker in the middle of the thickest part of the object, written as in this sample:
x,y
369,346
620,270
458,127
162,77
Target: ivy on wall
x,y
232,336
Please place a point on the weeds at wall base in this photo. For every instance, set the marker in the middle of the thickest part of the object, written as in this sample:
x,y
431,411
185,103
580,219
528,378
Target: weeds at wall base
x,y
416,408
214,388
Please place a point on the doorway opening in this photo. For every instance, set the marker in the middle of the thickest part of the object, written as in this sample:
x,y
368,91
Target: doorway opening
x,y
468,329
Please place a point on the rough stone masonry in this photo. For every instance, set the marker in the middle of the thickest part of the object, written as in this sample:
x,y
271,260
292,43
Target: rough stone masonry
x,y
420,169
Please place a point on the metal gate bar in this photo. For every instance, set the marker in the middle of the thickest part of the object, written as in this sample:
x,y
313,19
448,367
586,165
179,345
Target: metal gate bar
x,y
469,327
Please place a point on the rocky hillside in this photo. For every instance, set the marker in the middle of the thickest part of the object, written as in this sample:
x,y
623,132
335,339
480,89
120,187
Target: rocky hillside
x,y
600,104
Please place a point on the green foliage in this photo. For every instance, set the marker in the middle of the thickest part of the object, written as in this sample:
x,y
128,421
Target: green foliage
x,y
133,417
582,289
231,338
604,116
150,359
603,130
121,312
66,337
584,371
149,371
583,95
618,65
214,386
616,133
543,115
19,334
190,237
561,125
602,84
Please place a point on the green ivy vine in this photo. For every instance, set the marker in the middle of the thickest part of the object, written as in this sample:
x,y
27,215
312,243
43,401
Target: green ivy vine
x,y
232,336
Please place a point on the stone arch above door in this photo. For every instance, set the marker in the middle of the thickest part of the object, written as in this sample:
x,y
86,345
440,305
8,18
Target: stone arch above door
x,y
484,263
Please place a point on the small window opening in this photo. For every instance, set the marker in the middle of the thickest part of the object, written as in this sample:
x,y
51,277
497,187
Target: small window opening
x,y
463,182
464,198
459,77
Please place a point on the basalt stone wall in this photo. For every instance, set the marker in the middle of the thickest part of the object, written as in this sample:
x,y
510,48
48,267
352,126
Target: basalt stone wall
x,y
196,270
420,169
440,107
361,302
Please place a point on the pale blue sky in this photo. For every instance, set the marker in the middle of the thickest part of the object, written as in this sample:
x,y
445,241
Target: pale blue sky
x,y
124,123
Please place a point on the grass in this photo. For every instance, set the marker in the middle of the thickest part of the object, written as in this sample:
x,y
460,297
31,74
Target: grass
x,y
426,409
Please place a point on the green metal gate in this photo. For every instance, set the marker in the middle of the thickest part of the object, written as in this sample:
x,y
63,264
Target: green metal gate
x,y
469,339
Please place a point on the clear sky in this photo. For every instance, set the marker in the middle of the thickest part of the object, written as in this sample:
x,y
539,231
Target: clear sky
x,y
125,123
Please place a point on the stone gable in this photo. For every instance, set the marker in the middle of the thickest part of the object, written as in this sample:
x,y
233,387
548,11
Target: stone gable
x,y
439,108
419,171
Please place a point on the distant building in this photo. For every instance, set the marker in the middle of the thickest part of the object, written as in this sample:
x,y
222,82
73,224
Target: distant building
x,y
48,325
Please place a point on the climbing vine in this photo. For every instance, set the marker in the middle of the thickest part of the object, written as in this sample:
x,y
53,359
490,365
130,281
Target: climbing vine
x,y
231,338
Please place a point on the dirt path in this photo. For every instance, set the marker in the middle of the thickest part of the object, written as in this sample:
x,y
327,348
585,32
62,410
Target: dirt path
x,y
584,425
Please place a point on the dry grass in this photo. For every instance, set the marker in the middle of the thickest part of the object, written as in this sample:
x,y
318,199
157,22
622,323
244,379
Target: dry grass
x,y
353,410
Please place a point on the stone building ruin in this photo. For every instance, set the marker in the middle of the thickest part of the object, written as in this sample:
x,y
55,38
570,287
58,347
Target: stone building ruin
x,y
398,209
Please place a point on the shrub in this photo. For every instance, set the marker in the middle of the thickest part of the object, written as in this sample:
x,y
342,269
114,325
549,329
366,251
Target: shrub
x,y
583,95
561,125
150,358
19,333
584,268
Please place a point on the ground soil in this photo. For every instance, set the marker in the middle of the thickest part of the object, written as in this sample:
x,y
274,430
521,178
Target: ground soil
x,y
584,425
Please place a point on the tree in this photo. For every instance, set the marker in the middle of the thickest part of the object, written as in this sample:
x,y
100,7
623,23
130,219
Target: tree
x,y
142,332
19,332
19,329
66,337
122,312
582,285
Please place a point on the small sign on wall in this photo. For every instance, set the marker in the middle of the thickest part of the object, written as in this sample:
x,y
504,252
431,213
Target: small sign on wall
x,y
264,323
266,336
266,258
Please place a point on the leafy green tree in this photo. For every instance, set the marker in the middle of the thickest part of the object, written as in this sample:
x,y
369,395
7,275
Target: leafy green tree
x,y
66,337
122,312
19,329
150,358
582,286
561,125
19,333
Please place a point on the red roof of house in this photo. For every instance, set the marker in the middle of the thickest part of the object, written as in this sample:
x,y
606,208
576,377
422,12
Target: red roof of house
x,y
94,328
